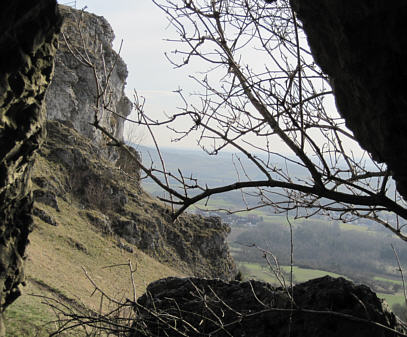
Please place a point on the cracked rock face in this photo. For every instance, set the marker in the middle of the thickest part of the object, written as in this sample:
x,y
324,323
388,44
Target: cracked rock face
x,y
73,91
28,32
361,45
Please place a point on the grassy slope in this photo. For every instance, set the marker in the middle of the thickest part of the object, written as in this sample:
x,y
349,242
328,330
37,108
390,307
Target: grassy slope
x,y
58,255
55,257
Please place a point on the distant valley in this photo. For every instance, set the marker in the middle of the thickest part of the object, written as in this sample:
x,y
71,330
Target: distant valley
x,y
360,250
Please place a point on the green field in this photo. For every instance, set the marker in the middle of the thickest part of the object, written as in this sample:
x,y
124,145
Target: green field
x,y
304,274
352,227
378,278
257,272
264,273
392,299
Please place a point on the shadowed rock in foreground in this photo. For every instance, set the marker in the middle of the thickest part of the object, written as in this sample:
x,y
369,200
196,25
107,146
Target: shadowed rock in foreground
x,y
28,31
361,45
324,307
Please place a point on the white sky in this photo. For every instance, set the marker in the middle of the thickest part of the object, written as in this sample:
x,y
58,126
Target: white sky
x,y
143,28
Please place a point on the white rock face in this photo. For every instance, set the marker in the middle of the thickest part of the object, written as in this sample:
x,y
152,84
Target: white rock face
x,y
72,95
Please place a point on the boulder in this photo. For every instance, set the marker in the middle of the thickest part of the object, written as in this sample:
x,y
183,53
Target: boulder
x,y
323,307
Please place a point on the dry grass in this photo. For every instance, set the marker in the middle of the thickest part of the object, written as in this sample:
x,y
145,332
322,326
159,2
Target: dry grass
x,y
56,256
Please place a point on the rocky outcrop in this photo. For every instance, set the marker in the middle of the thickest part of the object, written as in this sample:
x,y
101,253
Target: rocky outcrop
x,y
70,168
362,47
110,195
324,307
72,95
28,31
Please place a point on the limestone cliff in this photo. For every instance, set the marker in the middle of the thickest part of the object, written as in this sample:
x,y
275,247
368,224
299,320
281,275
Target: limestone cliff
x,y
110,196
71,169
27,43
72,95
361,45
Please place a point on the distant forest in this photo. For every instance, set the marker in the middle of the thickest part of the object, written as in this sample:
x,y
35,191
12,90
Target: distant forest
x,y
360,255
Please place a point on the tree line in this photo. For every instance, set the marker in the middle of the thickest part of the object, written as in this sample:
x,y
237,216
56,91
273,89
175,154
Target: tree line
x,y
360,255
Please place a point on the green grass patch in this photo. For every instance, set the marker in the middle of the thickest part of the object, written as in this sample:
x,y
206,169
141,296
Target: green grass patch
x,y
263,273
305,274
353,227
28,316
389,280
392,299
257,272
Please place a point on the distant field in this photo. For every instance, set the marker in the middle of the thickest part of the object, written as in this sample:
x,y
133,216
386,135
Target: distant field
x,y
304,274
392,299
223,202
378,278
234,249
352,227
263,273
258,272
215,203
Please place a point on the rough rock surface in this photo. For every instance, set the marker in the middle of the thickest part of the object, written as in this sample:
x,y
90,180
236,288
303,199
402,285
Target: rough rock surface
x,y
324,307
28,31
73,91
361,45
70,167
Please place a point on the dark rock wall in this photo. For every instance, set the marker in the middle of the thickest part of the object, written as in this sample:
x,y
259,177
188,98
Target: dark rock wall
x,y
27,43
199,307
362,46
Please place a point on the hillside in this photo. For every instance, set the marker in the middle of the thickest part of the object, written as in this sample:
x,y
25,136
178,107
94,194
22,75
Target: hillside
x,y
92,214
92,220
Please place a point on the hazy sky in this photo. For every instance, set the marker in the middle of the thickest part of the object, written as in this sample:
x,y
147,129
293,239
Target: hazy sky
x,y
144,28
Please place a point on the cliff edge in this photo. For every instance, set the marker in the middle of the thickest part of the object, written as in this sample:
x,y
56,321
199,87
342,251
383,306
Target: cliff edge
x,y
73,93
